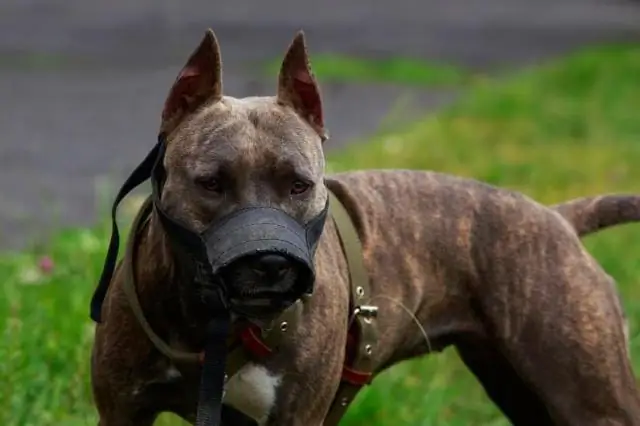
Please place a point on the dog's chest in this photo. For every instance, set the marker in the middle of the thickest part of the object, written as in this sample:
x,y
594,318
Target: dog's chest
x,y
252,390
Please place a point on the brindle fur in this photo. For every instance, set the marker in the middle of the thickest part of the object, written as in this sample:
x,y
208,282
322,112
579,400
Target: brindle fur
x,y
499,276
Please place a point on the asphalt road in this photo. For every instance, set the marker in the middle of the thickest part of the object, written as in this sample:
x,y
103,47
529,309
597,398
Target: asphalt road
x,y
88,113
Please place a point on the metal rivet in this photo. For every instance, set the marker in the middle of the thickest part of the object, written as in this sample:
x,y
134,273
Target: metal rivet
x,y
360,291
368,349
345,401
283,326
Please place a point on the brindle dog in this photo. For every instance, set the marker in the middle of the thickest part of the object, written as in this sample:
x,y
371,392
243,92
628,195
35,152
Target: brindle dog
x,y
502,278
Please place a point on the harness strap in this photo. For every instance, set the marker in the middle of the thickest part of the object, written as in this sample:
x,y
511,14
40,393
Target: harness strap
x,y
360,372
129,288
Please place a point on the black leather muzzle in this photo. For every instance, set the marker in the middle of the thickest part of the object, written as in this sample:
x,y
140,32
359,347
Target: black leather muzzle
x,y
234,239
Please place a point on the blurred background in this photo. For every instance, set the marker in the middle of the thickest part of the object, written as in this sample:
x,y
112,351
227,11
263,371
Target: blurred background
x,y
541,96
82,81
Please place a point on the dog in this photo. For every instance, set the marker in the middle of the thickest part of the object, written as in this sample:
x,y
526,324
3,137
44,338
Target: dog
x,y
489,271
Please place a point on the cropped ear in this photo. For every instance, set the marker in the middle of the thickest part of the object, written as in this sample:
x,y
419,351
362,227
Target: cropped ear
x,y
297,85
200,80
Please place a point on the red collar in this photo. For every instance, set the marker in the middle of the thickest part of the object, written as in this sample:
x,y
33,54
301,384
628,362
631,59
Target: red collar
x,y
249,336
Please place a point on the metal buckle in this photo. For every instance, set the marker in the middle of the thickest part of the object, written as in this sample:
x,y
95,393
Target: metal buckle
x,y
366,311
224,385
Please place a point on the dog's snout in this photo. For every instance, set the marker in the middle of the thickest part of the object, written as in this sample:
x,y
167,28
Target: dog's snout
x,y
272,265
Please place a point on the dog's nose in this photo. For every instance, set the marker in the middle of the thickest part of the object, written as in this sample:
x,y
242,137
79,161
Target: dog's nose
x,y
272,265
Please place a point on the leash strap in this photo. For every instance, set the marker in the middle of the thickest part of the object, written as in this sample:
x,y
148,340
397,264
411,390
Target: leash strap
x,y
139,175
212,379
360,372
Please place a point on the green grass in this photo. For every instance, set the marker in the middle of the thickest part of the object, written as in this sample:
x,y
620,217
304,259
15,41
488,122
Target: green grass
x,y
567,129
406,71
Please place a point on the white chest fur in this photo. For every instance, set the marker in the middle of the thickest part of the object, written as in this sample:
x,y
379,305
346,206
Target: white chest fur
x,y
252,390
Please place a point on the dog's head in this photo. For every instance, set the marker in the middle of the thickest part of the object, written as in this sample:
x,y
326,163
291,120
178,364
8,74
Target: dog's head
x,y
225,153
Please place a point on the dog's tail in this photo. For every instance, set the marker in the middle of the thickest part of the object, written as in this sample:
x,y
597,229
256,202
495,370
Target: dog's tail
x,y
592,214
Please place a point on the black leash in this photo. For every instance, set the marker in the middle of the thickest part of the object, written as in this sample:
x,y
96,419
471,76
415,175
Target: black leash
x,y
139,175
212,380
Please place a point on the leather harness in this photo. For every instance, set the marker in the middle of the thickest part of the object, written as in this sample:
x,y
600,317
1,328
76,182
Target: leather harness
x,y
260,343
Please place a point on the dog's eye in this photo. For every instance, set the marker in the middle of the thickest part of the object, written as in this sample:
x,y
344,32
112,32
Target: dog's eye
x,y
210,184
299,187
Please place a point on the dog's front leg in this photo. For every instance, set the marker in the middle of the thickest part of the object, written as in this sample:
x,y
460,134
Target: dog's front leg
x,y
119,407
131,387
120,404
126,420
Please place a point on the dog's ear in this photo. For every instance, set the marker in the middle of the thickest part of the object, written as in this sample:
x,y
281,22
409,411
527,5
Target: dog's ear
x,y
297,85
200,80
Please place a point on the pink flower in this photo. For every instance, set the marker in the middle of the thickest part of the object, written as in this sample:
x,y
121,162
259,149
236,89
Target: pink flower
x,y
46,264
